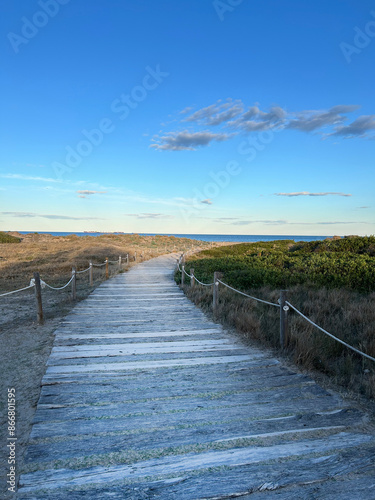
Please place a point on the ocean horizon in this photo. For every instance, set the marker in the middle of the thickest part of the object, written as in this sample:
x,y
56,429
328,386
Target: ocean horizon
x,y
235,238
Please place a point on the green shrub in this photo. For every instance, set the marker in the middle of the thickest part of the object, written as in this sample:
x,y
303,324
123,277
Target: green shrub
x,y
346,263
7,238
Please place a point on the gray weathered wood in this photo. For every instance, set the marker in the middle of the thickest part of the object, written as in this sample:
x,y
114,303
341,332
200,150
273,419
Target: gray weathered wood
x,y
215,294
38,299
283,319
74,284
91,274
192,279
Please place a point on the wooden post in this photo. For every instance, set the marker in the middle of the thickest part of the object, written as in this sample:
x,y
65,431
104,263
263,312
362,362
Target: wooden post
x,y
192,280
183,276
127,258
119,262
106,268
74,284
283,319
215,298
38,298
91,274
135,256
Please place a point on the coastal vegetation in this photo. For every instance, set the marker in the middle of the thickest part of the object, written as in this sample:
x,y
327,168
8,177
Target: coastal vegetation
x,y
54,256
343,263
331,281
8,238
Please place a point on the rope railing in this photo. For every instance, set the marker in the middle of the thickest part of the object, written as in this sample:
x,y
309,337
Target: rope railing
x,y
330,334
187,274
19,290
249,296
203,284
225,284
39,284
283,305
84,271
54,287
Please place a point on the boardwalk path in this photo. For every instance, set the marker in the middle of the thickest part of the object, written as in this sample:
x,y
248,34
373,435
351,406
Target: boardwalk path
x,y
144,397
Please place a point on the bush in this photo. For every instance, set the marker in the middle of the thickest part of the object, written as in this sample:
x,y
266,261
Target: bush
x,y
345,263
7,238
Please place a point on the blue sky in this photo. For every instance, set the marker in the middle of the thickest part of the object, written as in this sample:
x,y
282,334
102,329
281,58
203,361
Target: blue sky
x,y
188,116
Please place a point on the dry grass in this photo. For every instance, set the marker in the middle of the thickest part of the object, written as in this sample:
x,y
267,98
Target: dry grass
x,y
54,256
348,315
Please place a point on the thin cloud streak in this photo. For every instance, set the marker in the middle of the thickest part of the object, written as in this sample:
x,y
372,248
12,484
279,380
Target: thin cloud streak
x,y
231,221
22,177
150,216
86,192
47,216
307,193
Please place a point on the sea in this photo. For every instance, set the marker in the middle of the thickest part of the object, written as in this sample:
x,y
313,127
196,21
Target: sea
x,y
235,238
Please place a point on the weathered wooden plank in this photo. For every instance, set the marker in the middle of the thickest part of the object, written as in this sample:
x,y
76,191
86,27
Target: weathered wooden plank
x,y
156,356
189,415
167,376
139,365
59,335
113,404
297,479
176,384
206,432
54,479
243,367
145,345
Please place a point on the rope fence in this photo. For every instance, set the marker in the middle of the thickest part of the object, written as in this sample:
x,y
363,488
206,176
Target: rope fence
x,y
330,334
43,284
84,271
249,296
282,304
16,291
38,284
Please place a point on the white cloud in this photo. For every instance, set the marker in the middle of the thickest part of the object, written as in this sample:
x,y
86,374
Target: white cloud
x,y
150,216
306,193
47,216
22,177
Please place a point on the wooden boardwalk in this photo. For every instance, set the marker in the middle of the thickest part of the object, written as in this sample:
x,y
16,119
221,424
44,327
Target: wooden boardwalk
x,y
144,397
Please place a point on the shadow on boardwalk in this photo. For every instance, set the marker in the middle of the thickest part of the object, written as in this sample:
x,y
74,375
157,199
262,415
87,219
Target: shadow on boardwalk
x,y
144,397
